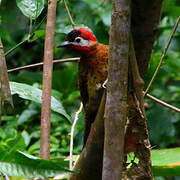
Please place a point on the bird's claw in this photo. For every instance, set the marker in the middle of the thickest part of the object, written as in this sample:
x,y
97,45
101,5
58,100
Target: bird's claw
x,y
104,84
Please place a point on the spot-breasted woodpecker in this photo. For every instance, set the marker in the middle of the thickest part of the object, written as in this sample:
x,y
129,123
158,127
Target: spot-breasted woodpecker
x,y
92,71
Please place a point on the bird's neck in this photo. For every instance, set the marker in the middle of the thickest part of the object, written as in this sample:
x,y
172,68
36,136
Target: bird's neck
x,y
97,55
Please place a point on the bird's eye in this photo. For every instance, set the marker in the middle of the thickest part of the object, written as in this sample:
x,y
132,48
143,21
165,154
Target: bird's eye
x,y
78,39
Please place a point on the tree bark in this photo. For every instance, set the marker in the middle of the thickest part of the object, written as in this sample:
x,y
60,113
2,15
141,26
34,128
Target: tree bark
x,y
47,80
5,93
116,102
137,139
89,164
145,19
144,25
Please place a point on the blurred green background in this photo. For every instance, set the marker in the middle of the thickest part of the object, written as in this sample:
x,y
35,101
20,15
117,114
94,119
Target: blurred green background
x,y
24,122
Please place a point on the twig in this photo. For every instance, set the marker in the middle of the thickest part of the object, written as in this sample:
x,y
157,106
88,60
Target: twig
x,y
40,23
72,136
163,54
163,103
76,59
47,80
5,177
27,38
16,46
69,14
169,106
30,28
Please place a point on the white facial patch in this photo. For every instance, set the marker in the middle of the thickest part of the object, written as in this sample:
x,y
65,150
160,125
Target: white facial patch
x,y
79,41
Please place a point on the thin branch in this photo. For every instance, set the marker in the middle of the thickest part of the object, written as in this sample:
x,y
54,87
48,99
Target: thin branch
x,y
163,54
47,80
30,28
5,177
72,136
163,103
76,59
40,23
16,46
27,38
69,14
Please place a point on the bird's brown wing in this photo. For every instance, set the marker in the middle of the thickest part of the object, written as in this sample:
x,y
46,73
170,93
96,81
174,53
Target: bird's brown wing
x,y
83,73
90,103
92,74
83,87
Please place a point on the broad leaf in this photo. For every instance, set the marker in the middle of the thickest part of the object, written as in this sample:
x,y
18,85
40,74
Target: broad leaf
x,y
34,94
16,163
31,8
166,162
28,113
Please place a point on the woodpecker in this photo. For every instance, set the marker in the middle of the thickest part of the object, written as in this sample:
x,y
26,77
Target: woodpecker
x,y
92,71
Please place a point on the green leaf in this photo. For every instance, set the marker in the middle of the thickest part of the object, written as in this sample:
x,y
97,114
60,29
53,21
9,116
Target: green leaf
x,y
34,148
29,113
171,8
39,33
31,8
16,163
166,162
17,142
34,94
26,137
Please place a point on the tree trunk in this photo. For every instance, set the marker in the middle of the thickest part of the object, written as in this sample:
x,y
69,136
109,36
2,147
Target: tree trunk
x,y
90,161
5,93
116,102
145,17
144,25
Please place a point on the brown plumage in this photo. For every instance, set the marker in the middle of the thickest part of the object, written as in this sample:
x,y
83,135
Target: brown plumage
x,y
92,74
93,68
92,71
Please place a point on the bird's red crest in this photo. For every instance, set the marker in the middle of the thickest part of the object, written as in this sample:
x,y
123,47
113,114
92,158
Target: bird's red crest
x,y
86,34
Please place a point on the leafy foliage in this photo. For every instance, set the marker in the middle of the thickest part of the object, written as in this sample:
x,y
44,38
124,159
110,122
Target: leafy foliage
x,y
31,8
17,163
166,162
34,94
166,88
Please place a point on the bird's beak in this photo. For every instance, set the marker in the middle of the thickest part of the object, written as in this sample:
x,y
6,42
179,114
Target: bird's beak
x,y
64,44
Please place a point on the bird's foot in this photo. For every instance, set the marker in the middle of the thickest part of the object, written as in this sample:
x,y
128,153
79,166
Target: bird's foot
x,y
104,84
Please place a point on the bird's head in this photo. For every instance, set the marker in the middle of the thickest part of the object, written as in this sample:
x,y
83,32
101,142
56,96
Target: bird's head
x,y
80,39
